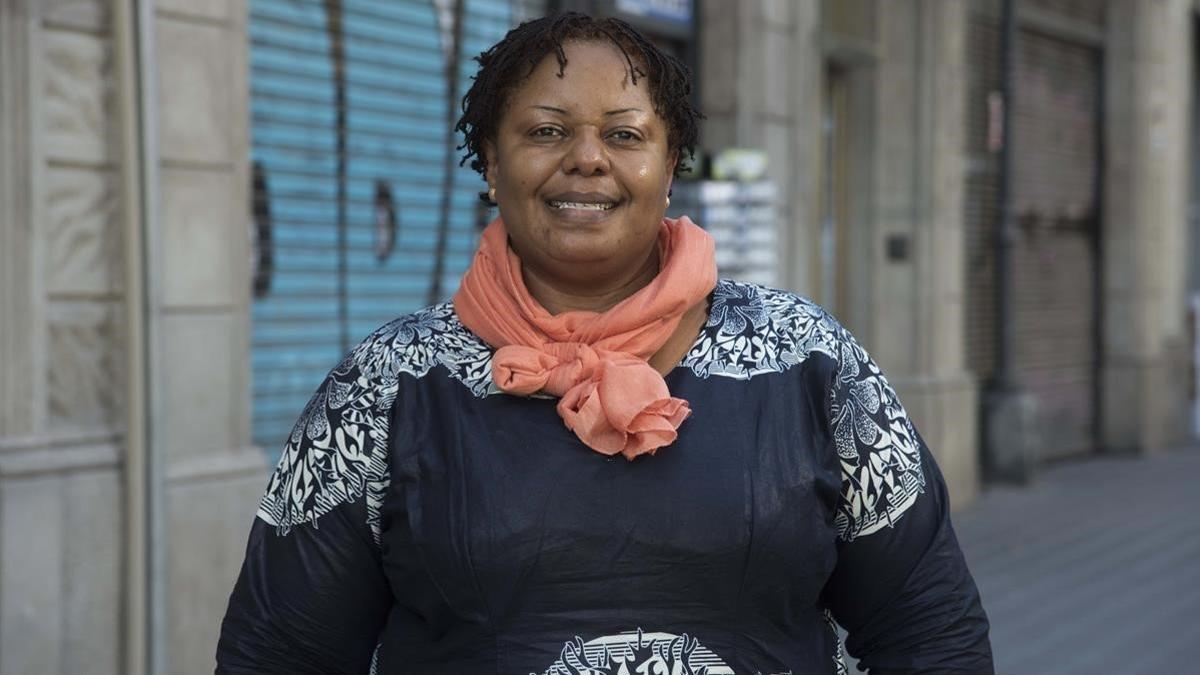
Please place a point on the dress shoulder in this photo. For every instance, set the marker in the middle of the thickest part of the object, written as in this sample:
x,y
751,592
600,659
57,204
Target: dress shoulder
x,y
337,450
754,330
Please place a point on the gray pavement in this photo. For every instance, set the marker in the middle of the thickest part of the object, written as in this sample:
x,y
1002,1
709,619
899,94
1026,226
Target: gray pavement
x,y
1093,568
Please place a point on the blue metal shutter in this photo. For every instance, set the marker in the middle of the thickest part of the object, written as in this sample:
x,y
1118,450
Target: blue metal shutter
x,y
293,336
319,289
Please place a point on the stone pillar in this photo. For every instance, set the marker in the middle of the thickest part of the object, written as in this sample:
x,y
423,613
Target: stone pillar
x,y
199,316
61,369
63,301
1148,84
918,332
760,70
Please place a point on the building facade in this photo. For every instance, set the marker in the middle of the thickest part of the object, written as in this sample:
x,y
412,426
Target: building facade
x,y
886,135
183,184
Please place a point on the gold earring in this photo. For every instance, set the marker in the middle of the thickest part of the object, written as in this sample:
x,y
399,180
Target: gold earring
x,y
668,201
492,195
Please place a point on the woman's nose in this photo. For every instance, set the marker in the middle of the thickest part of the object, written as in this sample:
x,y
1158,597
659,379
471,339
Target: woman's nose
x,y
586,155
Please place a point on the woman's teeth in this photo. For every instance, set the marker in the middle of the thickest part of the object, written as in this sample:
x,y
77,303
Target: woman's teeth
x,y
582,206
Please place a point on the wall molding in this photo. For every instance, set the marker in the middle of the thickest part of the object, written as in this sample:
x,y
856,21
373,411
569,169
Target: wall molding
x,y
248,461
178,14
59,453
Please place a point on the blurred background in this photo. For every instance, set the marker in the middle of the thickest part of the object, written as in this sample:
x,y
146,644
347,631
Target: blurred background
x,y
205,203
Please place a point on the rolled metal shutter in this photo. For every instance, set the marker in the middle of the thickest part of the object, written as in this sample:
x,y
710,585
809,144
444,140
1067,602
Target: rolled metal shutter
x,y
1057,167
982,187
367,148
1057,171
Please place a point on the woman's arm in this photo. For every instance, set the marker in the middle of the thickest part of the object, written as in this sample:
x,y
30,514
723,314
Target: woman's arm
x,y
901,587
312,597
312,601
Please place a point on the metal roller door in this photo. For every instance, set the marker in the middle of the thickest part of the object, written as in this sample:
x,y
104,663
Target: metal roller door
x,y
982,186
1057,167
350,134
1057,170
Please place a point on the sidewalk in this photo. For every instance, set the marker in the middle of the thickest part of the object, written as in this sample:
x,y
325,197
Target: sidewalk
x,y
1094,568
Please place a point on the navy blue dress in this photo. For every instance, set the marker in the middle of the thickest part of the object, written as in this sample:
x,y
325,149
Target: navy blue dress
x,y
421,522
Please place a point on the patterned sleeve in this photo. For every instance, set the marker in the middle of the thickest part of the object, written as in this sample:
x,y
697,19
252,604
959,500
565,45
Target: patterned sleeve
x,y
901,587
312,597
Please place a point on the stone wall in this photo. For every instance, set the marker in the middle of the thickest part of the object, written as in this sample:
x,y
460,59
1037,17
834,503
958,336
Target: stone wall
x,y
760,70
763,85
200,317
1148,83
64,529
918,300
62,408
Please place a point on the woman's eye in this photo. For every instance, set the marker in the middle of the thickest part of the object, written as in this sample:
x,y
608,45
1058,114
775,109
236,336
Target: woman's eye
x,y
623,135
546,132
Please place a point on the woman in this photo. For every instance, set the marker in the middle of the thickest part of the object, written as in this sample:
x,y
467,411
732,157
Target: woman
x,y
452,501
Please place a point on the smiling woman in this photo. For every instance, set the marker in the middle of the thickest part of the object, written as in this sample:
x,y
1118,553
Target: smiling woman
x,y
581,168
451,500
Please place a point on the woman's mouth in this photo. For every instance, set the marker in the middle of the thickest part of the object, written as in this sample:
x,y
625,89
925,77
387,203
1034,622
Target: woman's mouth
x,y
582,206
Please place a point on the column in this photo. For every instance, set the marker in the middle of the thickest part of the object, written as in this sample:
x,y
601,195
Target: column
x,y
61,335
918,336
199,319
760,70
1148,83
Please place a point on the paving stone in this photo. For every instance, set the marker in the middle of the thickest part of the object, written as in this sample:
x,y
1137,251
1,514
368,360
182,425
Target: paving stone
x,y
1093,568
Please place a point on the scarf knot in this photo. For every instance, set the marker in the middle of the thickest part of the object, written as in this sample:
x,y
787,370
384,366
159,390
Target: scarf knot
x,y
554,367
609,396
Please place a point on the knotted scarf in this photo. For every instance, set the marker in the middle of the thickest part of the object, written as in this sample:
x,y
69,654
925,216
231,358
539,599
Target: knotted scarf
x,y
595,362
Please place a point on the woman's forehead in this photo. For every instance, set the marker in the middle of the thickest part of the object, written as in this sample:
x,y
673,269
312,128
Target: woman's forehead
x,y
596,76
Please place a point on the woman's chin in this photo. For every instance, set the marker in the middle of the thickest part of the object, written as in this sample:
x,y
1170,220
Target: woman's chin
x,y
585,255
600,241
584,243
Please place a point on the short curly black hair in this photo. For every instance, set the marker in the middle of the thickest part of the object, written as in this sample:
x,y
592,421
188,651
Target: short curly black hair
x,y
508,62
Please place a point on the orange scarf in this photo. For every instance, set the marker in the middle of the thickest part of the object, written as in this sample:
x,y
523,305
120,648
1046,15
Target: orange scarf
x,y
594,362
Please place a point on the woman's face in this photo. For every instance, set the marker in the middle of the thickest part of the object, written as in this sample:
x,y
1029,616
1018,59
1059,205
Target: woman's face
x,y
581,166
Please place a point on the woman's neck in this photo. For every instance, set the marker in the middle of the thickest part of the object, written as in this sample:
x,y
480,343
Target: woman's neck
x,y
680,343
598,294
